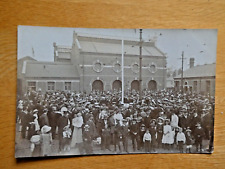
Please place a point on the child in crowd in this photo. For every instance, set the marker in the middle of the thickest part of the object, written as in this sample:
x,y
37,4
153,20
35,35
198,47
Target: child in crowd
x,y
46,140
147,140
181,140
67,132
87,140
35,146
189,140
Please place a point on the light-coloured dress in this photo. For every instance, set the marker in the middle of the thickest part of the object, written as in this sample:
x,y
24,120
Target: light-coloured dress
x,y
77,122
174,120
46,139
168,135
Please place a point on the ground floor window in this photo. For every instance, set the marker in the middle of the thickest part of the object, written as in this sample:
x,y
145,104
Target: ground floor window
x,y
97,85
208,86
51,85
195,85
32,85
67,85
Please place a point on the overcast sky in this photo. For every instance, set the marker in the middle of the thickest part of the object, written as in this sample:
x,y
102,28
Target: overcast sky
x,y
198,43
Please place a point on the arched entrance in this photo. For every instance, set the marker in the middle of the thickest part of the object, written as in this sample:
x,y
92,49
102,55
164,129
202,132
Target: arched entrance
x,y
152,85
135,85
117,85
97,85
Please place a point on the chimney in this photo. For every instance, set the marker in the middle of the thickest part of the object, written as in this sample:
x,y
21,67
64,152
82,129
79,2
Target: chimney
x,y
192,62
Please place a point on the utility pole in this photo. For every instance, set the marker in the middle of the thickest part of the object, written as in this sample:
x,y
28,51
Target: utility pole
x,y
182,74
140,67
122,61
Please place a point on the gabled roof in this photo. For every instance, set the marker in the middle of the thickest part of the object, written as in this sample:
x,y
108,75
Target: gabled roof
x,y
64,52
207,70
26,58
50,70
113,46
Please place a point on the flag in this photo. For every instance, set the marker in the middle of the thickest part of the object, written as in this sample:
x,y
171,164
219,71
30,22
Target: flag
x,y
32,52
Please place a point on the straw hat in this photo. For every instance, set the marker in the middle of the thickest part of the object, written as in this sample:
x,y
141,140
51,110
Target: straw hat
x,y
35,138
64,109
45,129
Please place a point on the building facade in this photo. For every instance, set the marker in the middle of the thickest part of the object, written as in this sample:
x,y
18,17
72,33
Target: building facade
x,y
198,79
94,63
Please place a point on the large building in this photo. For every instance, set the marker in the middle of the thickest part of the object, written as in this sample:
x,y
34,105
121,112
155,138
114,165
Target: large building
x,y
199,79
94,63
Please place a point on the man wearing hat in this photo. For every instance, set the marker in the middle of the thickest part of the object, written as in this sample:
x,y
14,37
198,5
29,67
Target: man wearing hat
x,y
44,118
159,131
53,120
134,134
125,132
153,131
141,135
105,133
62,122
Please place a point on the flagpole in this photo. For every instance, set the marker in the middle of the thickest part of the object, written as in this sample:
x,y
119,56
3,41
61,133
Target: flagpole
x,y
140,67
122,66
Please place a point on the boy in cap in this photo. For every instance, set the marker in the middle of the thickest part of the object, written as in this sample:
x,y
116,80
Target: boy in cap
x,y
181,139
199,134
87,137
147,140
189,140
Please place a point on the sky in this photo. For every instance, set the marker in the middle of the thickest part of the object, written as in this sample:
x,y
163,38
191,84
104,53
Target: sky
x,y
200,44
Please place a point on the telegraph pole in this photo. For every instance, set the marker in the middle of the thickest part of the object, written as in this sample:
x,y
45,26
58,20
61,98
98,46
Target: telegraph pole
x,y
122,61
140,67
182,74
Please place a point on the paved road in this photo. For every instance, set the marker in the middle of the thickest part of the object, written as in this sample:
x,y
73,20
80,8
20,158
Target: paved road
x,y
22,148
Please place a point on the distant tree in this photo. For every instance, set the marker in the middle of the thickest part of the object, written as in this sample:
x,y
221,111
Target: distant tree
x,y
179,71
174,73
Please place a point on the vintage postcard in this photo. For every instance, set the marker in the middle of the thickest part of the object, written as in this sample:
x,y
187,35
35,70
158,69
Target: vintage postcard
x,y
114,91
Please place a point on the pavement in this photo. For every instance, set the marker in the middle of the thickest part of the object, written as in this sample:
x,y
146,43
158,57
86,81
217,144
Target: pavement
x,y
22,148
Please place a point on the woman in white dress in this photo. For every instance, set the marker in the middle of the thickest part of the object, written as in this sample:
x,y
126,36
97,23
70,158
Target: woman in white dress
x,y
168,135
77,138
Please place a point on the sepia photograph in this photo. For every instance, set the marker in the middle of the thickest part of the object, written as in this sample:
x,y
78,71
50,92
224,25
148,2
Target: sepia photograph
x,y
89,91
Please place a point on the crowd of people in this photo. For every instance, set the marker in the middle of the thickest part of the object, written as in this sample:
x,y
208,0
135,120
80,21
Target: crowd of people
x,y
159,120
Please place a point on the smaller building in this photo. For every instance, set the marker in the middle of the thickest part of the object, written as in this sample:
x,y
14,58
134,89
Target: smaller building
x,y
199,79
169,79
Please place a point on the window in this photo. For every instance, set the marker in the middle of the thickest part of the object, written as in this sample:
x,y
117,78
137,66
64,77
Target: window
x,y
208,86
32,85
117,67
177,85
67,85
135,67
195,85
51,85
97,66
152,67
